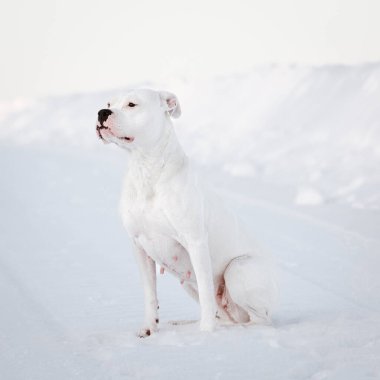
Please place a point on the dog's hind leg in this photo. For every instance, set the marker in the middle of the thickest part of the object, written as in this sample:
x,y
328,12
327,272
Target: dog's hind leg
x,y
249,284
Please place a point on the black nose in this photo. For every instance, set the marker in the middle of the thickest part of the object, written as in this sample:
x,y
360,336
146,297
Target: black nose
x,y
103,115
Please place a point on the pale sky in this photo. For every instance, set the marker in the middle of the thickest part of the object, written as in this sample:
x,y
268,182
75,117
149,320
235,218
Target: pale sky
x,y
59,47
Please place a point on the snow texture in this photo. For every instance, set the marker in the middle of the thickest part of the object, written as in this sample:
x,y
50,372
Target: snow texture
x,y
296,150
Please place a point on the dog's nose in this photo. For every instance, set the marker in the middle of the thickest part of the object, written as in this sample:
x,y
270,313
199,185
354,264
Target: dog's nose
x,y
103,115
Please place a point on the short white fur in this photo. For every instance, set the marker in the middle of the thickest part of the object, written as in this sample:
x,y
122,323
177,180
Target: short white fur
x,y
176,222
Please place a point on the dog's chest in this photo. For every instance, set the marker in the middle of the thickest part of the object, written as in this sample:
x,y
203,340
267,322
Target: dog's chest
x,y
146,216
150,228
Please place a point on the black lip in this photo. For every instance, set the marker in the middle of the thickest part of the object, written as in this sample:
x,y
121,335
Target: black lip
x,y
98,129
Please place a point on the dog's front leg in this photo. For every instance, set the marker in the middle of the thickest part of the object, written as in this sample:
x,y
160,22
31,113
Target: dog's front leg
x,y
147,269
200,259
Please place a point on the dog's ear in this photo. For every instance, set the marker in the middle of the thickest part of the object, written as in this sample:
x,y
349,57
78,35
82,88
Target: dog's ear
x,y
170,103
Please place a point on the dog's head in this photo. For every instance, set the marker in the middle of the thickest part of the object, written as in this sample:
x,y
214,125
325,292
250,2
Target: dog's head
x,y
138,119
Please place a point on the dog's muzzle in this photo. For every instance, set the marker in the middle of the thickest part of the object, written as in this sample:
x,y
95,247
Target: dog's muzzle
x,y
102,117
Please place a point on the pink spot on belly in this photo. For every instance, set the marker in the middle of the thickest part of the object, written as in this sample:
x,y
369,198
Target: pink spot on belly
x,y
162,270
188,275
175,258
182,281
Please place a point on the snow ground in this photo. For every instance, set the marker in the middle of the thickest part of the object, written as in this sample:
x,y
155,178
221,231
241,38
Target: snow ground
x,y
71,296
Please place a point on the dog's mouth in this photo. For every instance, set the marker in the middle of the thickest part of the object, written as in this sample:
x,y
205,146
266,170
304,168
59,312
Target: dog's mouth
x,y
126,138
99,128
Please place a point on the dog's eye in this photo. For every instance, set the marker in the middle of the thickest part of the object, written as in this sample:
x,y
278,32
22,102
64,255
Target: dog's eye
x,y
130,104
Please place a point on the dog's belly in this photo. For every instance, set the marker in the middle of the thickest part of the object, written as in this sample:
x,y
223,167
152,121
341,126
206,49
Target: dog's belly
x,y
169,254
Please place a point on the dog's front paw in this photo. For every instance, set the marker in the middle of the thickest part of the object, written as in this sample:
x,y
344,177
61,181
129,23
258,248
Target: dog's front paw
x,y
144,332
207,325
148,330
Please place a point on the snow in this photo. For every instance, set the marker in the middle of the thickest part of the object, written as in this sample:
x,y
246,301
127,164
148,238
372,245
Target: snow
x,y
308,196
294,149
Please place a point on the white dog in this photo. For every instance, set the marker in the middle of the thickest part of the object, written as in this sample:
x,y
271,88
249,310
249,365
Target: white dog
x,y
175,223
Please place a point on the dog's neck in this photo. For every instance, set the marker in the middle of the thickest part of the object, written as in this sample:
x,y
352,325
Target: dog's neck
x,y
147,168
